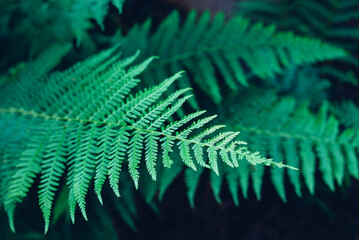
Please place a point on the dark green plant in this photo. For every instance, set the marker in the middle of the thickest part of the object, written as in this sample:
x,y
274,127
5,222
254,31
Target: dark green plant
x,y
31,26
81,126
333,21
215,49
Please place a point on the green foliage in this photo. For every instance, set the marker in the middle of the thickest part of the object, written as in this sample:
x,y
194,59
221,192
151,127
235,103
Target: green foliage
x,y
212,49
348,113
32,25
80,12
299,138
62,131
292,134
85,120
35,69
333,21
302,83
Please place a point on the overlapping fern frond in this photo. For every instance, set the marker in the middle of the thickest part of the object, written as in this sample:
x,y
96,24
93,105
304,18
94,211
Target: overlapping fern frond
x,y
210,48
36,24
302,83
81,12
333,21
294,135
36,69
85,121
348,113
289,133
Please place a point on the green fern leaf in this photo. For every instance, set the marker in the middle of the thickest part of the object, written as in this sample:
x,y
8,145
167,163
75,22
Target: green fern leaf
x,y
192,178
27,169
216,184
118,4
84,120
205,46
298,138
329,20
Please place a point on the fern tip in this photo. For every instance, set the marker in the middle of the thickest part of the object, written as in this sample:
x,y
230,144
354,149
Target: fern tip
x,y
10,213
136,184
85,215
12,227
100,199
153,57
46,228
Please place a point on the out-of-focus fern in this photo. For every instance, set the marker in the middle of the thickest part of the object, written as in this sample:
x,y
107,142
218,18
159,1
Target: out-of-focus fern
x,y
35,69
85,120
302,83
81,12
36,24
213,48
333,21
348,113
296,136
291,134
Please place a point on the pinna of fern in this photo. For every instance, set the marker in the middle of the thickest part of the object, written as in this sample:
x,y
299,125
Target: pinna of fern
x,y
85,120
216,48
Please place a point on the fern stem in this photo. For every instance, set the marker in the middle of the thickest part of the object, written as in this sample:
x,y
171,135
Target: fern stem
x,y
283,134
46,117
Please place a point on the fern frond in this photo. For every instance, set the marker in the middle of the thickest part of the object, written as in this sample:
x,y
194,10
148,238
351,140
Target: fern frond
x,y
304,84
36,70
85,120
210,47
330,20
296,137
81,12
28,167
348,113
118,4
192,179
289,133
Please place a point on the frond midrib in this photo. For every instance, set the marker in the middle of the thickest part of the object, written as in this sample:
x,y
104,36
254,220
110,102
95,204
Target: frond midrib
x,y
66,119
212,49
199,52
288,135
